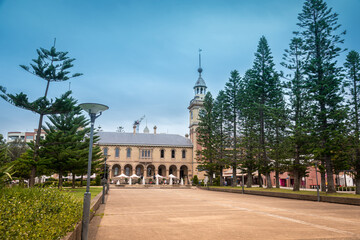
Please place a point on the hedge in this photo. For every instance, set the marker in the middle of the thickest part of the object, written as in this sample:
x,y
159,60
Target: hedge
x,y
37,213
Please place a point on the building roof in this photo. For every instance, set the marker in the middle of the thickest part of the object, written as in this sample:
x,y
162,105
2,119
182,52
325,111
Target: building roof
x,y
118,138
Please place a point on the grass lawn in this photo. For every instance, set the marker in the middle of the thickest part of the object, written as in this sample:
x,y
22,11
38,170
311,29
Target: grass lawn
x,y
347,195
79,192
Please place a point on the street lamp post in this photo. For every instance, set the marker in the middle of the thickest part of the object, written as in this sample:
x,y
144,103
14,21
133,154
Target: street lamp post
x,y
94,110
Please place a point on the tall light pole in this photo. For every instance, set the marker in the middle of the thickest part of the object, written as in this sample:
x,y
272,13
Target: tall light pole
x,y
94,110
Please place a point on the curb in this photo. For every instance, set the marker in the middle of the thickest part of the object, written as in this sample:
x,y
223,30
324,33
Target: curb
x,y
338,200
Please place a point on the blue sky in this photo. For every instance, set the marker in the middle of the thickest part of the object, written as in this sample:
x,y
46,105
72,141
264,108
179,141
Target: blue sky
x,y
141,57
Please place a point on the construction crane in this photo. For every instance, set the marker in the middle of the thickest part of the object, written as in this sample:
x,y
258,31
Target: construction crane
x,y
137,123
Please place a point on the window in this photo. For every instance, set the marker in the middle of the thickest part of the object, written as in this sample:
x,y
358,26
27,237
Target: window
x,y
191,113
145,153
128,152
138,171
162,153
201,90
105,151
117,152
116,171
127,171
29,137
172,153
149,171
183,153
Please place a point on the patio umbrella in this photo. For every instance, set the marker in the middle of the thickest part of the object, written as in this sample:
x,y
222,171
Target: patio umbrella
x,y
122,176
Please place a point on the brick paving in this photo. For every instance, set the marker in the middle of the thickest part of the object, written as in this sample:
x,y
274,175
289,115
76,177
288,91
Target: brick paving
x,y
199,214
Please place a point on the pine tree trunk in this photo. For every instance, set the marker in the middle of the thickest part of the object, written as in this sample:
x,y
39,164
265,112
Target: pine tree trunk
x,y
357,182
277,179
323,181
330,175
73,180
221,176
210,178
234,180
296,186
249,180
60,179
37,142
260,180
268,180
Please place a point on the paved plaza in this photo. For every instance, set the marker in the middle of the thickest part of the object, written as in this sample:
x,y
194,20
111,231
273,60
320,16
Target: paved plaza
x,y
164,214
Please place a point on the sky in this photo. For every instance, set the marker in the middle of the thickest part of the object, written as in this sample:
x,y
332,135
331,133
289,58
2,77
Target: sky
x,y
141,57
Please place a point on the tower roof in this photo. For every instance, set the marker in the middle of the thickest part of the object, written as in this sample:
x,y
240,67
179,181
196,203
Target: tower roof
x,y
200,82
146,130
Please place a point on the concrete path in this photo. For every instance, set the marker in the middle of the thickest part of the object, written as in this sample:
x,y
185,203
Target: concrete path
x,y
164,214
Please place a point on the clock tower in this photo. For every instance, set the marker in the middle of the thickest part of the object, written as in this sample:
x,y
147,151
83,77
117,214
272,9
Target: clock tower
x,y
194,108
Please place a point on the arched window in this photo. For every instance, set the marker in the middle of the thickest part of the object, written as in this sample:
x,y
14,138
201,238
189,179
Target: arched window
x,y
127,171
197,90
162,153
117,152
116,171
138,171
201,90
149,171
173,153
183,153
128,152
105,151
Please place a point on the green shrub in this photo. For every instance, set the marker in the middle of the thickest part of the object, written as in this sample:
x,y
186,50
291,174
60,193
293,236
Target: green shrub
x,y
195,180
37,213
98,180
216,181
67,184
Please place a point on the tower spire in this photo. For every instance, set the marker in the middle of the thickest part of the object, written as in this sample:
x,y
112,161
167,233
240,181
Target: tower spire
x,y
200,69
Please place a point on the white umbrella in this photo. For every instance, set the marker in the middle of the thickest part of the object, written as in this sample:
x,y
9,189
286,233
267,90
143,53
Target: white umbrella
x,y
122,176
159,176
172,176
134,176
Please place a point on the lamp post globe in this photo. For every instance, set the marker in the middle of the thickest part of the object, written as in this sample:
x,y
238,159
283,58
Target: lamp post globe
x,y
94,110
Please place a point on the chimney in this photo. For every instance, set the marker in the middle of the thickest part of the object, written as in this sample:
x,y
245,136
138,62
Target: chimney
x,y
155,129
134,127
